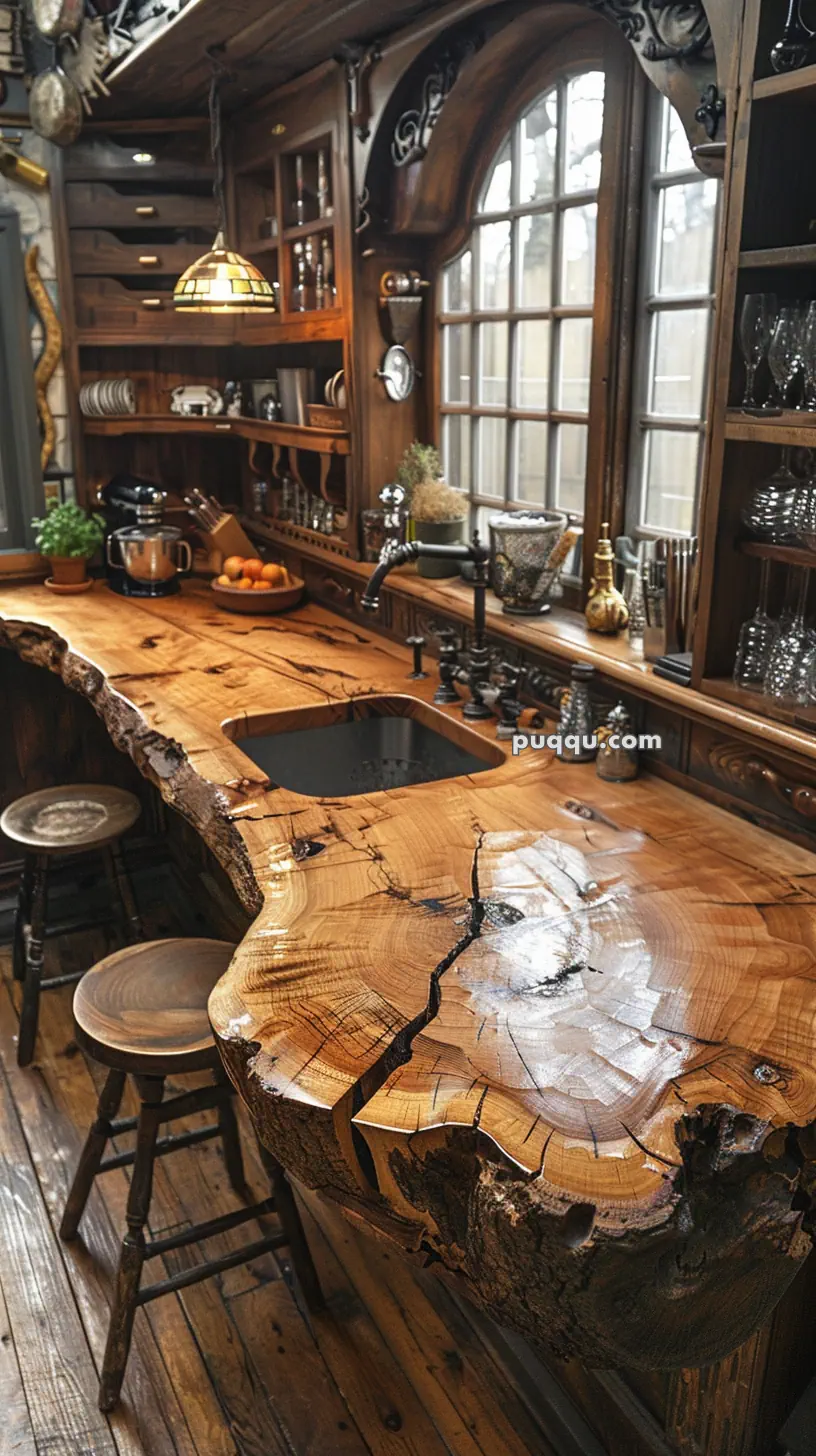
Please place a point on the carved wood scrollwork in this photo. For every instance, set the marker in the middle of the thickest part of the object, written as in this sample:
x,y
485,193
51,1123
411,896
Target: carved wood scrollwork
x,y
743,767
662,30
412,132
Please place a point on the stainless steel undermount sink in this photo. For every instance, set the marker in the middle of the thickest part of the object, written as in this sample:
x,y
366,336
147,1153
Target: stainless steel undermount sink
x,y
342,749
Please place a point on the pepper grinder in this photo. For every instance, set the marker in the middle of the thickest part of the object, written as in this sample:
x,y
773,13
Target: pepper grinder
x,y
448,667
576,721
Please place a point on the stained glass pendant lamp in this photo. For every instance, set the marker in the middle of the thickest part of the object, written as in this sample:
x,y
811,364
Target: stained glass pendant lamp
x,y
221,281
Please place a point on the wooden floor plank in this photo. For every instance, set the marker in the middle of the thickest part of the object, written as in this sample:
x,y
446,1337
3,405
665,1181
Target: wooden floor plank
x,y
55,1360
16,1433
57,1099
385,1405
464,1410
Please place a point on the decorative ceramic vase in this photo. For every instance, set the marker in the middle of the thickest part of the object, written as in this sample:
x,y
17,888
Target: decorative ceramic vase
x,y
606,609
528,550
438,533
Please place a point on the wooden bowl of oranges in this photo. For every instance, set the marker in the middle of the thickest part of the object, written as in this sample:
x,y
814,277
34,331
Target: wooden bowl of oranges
x,y
250,585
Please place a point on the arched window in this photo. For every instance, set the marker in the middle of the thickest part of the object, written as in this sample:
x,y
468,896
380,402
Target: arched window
x,y
516,310
517,303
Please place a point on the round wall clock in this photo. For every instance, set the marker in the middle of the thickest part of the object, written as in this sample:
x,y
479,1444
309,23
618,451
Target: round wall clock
x,y
397,373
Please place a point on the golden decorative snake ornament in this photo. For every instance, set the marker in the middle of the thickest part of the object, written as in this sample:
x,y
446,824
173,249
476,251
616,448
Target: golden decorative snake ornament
x,y
51,351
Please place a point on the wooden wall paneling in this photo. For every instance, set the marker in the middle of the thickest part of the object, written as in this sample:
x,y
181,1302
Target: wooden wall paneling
x,y
738,117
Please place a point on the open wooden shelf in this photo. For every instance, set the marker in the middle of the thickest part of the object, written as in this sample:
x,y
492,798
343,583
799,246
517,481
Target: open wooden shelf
x,y
792,83
271,432
788,555
727,692
308,229
802,255
792,427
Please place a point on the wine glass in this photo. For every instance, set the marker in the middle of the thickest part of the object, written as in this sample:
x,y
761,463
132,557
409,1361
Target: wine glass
x,y
790,665
756,640
792,50
809,355
770,513
759,311
785,351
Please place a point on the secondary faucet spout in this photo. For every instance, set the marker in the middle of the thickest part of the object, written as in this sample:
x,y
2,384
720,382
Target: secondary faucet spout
x,y
392,556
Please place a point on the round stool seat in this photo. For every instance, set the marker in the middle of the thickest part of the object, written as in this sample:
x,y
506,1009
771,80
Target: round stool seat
x,y
70,818
144,1008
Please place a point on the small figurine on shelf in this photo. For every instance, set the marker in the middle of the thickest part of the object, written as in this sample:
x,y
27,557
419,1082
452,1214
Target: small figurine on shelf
x,y
617,761
233,398
606,610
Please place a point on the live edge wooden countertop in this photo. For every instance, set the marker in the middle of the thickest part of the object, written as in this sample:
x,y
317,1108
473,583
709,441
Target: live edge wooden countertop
x,y
555,1036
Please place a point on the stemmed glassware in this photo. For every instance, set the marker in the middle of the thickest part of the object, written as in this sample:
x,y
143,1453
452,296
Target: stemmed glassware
x,y
793,655
809,356
770,513
785,351
793,48
756,640
759,311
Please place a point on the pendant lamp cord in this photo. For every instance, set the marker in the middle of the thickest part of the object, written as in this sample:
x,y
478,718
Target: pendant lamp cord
x,y
218,71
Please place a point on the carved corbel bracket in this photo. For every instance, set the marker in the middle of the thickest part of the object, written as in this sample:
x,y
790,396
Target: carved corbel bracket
x,y
358,62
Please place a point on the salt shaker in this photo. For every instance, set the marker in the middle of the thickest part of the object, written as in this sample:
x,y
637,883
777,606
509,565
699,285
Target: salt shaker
x,y
615,763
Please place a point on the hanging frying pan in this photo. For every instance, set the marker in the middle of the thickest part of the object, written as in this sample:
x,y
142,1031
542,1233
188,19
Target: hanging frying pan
x,y
55,107
56,18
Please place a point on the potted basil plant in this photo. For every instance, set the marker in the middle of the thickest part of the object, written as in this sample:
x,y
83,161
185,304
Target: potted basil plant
x,y
68,537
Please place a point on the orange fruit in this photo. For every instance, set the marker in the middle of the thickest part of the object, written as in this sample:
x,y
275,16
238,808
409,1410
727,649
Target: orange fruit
x,y
273,574
223,580
252,568
260,586
244,584
232,567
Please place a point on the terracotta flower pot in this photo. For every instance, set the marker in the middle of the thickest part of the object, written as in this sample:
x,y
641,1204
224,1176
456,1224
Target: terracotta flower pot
x,y
68,570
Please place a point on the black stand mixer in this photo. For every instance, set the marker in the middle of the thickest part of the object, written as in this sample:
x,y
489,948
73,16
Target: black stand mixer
x,y
143,556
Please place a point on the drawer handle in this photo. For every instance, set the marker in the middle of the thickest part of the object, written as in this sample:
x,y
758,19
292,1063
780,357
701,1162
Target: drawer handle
x,y
152,303
146,211
223,425
148,260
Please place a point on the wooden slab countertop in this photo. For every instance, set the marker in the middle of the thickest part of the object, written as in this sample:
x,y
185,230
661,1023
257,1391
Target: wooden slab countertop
x,y
553,1035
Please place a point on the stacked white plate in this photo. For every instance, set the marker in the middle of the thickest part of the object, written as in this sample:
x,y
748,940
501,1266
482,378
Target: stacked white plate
x,y
108,397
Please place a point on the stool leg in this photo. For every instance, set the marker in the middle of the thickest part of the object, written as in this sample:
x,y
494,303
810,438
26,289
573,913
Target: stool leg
x,y
22,916
92,1153
230,1137
34,962
287,1211
132,1253
120,883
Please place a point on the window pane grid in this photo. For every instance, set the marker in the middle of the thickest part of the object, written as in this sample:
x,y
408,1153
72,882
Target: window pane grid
x,y
676,312
525,405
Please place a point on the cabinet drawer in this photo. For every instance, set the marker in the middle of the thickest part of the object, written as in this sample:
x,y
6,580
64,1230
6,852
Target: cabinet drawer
x,y
94,251
108,312
774,791
94,204
174,157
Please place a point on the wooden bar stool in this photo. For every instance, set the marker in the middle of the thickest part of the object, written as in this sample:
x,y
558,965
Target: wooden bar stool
x,y
143,1012
69,820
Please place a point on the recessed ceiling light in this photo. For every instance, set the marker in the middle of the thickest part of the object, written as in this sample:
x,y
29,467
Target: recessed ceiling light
x,y
144,159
